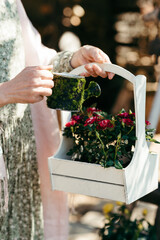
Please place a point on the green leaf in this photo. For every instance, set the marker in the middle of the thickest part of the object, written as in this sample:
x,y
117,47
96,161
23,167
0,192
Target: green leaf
x,y
97,134
117,164
154,140
90,134
122,110
125,137
110,163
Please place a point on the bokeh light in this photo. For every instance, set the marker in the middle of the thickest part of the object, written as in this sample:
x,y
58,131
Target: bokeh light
x,y
78,11
46,9
66,22
67,11
69,41
75,21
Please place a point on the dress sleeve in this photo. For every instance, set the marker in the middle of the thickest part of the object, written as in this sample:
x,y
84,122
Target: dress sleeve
x,y
61,62
44,55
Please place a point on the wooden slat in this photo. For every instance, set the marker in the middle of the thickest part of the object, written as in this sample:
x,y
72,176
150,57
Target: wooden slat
x,y
91,188
86,171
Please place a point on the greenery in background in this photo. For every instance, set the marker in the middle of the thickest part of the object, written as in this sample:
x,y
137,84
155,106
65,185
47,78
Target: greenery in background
x,y
103,139
119,225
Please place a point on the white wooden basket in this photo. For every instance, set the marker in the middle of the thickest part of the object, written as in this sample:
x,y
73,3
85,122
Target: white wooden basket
x,y
139,178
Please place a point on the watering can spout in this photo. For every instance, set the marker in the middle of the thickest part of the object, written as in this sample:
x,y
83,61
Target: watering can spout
x,y
93,90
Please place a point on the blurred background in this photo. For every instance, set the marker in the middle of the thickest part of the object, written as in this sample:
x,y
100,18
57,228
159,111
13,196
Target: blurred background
x,y
118,28
114,26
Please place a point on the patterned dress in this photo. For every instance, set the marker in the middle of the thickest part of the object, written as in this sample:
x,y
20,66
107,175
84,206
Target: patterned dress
x,y
23,221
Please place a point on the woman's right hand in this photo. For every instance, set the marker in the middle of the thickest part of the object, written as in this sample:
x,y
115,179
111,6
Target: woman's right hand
x,y
29,86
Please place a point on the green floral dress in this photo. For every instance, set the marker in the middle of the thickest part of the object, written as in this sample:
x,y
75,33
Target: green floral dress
x,y
23,220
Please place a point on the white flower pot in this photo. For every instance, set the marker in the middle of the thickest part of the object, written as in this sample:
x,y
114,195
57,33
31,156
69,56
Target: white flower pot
x,y
139,178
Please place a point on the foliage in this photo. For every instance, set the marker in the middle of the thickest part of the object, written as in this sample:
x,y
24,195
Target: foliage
x,y
119,226
102,138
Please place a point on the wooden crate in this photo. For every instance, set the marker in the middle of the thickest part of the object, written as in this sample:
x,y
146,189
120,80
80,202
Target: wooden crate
x,y
139,178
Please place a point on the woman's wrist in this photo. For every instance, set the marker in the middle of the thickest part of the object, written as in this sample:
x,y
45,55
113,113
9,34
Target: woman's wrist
x,y
74,60
62,62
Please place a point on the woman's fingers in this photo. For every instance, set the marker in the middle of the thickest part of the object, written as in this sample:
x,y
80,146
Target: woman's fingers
x,y
90,54
34,73
104,57
37,99
37,82
44,74
30,85
94,70
47,83
48,67
38,77
110,75
42,91
37,94
98,70
90,70
100,57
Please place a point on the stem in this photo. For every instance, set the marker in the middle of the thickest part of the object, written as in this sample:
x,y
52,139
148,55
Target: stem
x,y
97,135
130,130
117,145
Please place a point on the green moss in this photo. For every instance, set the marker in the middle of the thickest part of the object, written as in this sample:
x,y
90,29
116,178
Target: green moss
x,y
69,92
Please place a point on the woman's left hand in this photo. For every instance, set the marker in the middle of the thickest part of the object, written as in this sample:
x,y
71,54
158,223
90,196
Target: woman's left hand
x,y
88,54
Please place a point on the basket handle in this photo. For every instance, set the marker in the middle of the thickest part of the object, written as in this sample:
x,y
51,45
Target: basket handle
x,y
108,68
139,88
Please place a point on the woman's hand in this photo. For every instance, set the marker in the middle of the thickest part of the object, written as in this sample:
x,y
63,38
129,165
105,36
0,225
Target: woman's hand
x,y
88,54
29,86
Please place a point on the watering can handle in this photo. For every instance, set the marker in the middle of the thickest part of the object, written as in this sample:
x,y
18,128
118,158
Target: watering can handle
x,y
139,85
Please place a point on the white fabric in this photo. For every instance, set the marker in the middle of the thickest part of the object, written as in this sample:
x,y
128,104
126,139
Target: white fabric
x,y
47,136
2,165
3,184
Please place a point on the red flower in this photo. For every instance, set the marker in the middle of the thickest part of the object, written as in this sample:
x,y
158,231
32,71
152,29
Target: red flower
x,y
105,124
91,120
132,114
71,123
93,110
77,118
123,115
148,123
128,121
126,115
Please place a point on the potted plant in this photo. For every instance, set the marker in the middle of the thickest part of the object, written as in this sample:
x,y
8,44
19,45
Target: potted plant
x,y
103,139
118,143
119,225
